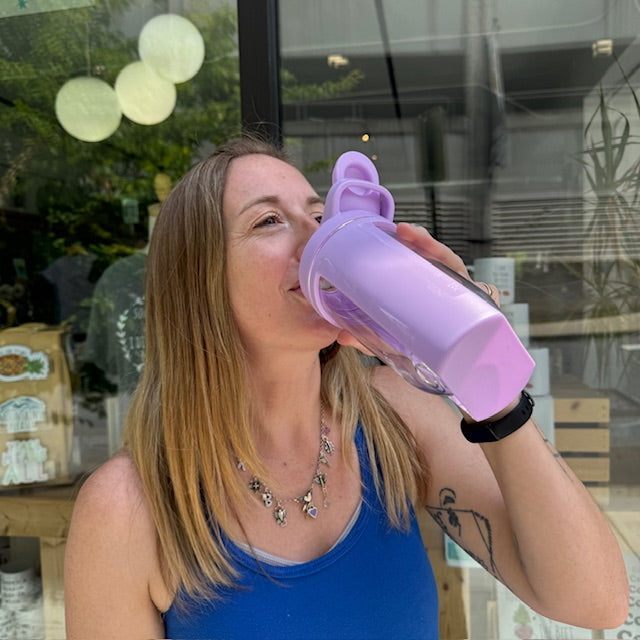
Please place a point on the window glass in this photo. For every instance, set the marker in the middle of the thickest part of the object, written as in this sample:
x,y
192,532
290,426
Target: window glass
x,y
100,112
509,130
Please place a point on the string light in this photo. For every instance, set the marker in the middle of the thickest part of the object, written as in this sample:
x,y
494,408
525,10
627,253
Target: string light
x,y
88,109
145,97
172,46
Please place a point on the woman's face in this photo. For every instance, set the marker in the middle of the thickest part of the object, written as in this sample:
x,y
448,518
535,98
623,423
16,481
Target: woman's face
x,y
270,211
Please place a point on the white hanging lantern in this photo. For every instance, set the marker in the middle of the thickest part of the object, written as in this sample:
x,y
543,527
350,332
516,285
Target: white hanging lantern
x,y
172,46
88,109
145,97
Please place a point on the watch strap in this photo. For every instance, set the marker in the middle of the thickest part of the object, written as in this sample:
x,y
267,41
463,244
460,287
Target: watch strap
x,y
494,430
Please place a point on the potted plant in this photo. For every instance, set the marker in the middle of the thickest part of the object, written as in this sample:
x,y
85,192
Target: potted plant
x,y
611,265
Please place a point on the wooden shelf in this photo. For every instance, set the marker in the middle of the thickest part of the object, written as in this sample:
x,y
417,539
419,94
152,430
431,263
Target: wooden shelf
x,y
43,513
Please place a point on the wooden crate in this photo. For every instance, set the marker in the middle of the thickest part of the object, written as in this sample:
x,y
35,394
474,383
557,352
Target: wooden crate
x,y
582,418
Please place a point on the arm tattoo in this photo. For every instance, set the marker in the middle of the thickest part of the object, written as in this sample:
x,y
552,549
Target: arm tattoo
x,y
452,521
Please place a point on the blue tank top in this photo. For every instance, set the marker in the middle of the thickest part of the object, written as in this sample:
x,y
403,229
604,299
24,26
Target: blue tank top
x,y
376,583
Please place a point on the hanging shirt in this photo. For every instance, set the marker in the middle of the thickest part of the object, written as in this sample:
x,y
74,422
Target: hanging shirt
x,y
115,337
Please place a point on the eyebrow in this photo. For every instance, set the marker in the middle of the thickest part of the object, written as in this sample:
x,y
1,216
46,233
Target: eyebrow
x,y
311,200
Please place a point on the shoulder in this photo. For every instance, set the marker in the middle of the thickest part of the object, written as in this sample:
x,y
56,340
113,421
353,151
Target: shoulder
x,y
112,513
113,492
111,558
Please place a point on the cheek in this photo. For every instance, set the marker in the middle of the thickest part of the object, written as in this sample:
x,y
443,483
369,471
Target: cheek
x,y
252,284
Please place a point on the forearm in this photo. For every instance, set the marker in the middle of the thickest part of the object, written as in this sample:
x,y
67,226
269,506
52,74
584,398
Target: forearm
x,y
567,553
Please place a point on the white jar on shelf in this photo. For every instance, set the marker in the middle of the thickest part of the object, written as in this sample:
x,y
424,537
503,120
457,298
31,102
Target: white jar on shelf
x,y
29,622
18,586
7,624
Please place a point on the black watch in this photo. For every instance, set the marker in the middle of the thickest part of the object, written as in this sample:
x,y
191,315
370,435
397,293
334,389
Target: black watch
x,y
494,430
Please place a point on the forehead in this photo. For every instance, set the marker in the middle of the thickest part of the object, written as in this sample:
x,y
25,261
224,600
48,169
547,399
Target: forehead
x,y
255,175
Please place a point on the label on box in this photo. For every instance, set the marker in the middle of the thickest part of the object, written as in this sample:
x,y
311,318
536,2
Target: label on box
x,y
22,414
19,363
539,382
24,462
518,316
456,556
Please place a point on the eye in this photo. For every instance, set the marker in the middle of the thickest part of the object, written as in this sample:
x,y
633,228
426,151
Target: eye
x,y
268,220
317,216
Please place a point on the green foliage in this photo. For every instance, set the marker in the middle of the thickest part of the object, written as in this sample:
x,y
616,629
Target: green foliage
x,y
80,185
612,167
293,91
611,162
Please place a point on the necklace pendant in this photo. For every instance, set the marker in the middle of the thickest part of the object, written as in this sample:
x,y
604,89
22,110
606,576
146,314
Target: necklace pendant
x,y
329,447
280,515
308,508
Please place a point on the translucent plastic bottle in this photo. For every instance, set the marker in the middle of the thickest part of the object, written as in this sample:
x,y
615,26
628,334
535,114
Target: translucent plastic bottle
x,y
435,328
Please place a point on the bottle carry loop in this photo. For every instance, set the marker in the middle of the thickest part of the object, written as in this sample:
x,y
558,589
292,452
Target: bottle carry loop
x,y
356,188
348,196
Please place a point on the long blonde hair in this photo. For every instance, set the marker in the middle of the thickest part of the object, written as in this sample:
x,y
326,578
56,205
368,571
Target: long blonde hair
x,y
190,417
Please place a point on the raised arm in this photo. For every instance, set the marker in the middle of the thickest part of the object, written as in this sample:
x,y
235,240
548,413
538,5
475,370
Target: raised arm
x,y
514,504
516,507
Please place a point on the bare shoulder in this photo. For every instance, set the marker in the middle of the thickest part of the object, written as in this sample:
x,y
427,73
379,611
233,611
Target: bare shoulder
x,y
111,558
113,492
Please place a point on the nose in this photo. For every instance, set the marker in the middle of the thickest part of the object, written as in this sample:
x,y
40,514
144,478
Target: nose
x,y
306,228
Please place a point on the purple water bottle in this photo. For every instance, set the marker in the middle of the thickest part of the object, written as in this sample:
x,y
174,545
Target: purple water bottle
x,y
435,328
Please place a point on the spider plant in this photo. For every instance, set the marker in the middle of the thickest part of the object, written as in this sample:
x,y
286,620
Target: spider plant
x,y
611,268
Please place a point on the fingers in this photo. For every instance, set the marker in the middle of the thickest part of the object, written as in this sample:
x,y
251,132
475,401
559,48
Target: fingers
x,y
490,290
425,244
428,246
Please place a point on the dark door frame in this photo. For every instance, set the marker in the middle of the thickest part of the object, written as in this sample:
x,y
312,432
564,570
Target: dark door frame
x,y
259,53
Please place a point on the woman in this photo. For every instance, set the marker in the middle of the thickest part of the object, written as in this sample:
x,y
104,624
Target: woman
x,y
268,480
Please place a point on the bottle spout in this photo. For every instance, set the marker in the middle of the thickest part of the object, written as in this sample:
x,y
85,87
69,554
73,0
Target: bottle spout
x,y
354,165
356,189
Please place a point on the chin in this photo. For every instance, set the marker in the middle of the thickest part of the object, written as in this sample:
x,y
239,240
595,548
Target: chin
x,y
326,332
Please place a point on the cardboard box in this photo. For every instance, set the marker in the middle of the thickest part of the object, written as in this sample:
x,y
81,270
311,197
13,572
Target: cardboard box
x,y
36,411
